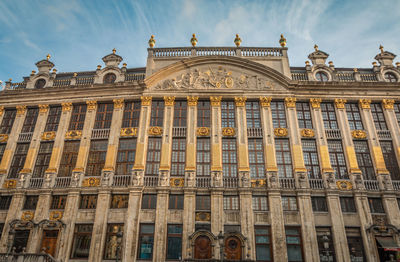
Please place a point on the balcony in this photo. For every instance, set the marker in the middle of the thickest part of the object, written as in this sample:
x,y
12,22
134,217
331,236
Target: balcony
x,y
122,180
25,137
384,134
100,133
230,182
179,131
203,182
62,182
254,132
36,182
396,184
333,134
316,183
287,183
372,185
151,181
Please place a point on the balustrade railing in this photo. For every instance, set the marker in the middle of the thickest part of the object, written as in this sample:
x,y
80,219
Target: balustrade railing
x,y
384,134
345,77
134,77
230,182
61,82
333,134
25,137
122,180
254,132
316,183
371,185
62,182
287,182
84,80
300,76
396,184
151,181
216,51
16,86
256,51
203,182
368,78
179,131
100,133
35,182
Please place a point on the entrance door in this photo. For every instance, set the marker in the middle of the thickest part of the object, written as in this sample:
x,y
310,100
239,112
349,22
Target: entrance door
x,y
233,248
202,248
49,242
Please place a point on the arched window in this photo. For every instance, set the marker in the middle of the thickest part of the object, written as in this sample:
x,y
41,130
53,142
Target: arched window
x,y
40,83
321,76
390,77
109,78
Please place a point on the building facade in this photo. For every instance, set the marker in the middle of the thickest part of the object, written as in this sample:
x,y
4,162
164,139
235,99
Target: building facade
x,y
205,153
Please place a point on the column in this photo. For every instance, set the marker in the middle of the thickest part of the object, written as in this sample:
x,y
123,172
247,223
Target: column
x,y
217,215
274,195
160,231
14,212
131,229
190,167
216,142
189,212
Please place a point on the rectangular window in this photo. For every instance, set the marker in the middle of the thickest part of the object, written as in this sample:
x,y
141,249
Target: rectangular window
x,y
348,205
329,116
58,202
378,116
30,202
283,158
104,116
228,114
178,156
390,158
146,241
325,244
153,156
293,243
310,155
149,201
203,159
263,243
119,201
278,114
203,203
376,205
131,114
396,111
8,121
43,159
97,157
68,158
260,203
229,157
355,243
5,202
111,251
203,113
88,202
319,204
53,118
125,156
175,201
30,120
180,111
256,158
354,116
231,203
18,160
289,203
82,239
304,115
21,238
157,113
174,242
364,160
253,114
77,117
338,161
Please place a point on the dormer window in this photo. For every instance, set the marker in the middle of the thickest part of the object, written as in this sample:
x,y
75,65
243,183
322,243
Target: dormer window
x,y
109,78
40,83
390,77
321,76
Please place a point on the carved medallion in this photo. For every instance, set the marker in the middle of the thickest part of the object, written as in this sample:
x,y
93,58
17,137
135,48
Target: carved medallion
x,y
192,100
155,131
203,131
229,82
50,135
56,215
228,131
240,101
203,216
315,102
280,131
265,101
339,102
177,182
365,103
359,134
388,103
73,134
307,133
27,215
128,131
91,182
146,100
11,183
344,185
3,138
290,102
258,182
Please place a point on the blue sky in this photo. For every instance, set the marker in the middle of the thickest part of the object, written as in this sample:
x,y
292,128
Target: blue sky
x,y
78,34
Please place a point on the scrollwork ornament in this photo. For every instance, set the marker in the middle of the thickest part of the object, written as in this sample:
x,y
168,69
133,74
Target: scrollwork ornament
x,y
43,108
146,100
359,134
155,131
365,103
66,107
388,103
215,100
118,103
169,100
344,185
203,131
21,110
307,132
280,132
290,102
50,135
315,102
339,102
228,131
10,184
73,134
27,215
177,182
91,105
192,100
128,131
91,182
56,215
240,101
265,101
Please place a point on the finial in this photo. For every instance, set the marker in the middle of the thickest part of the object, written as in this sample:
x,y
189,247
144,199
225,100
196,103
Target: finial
x,y
374,63
307,63
124,64
98,67
237,40
48,57
152,41
355,70
330,63
54,70
114,51
193,40
33,72
282,41
9,80
398,64
381,48
75,74
316,47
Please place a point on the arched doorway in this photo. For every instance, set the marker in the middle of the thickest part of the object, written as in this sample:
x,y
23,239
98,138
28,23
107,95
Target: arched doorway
x,y
233,248
202,247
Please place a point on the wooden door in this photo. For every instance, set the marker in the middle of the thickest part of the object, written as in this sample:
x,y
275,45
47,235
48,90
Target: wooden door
x,y
233,248
49,242
202,248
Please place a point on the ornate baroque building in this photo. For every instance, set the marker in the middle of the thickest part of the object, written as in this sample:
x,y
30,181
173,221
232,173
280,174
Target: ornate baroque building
x,y
205,152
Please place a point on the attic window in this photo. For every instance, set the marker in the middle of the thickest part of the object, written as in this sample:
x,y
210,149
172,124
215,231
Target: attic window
x,y
109,78
40,83
321,76
390,77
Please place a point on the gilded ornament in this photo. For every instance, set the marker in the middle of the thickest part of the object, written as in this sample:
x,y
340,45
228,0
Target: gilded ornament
x,y
128,131
43,108
280,131
339,102
215,100
177,182
359,134
344,185
114,51
307,133
56,215
388,103
27,215
48,57
146,100
265,101
12,183
282,41
21,110
193,40
26,171
50,135
91,105
240,101
152,41
118,103
73,134
258,183
155,131
228,131
237,40
192,100
91,182
169,100
1,110
315,102
3,138
229,82
290,102
66,107
203,216
203,131
365,103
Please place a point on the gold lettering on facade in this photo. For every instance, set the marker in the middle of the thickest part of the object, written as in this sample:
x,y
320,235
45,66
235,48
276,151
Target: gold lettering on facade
x,y
315,102
290,102
169,100
339,102
388,103
365,103
265,101
240,101
192,100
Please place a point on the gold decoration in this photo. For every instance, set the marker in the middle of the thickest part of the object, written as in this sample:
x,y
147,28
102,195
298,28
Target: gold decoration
x,y
91,105
365,103
26,171
12,183
21,110
114,51
3,138
48,57
66,107
98,67
146,100
128,131
192,100
43,108
27,215
265,101
155,131
1,110
344,185
280,131
339,102
203,216
203,131
388,103
91,182
358,134
118,103
258,183
177,182
49,135
316,47
307,133
229,82
282,41
73,134
315,102
228,131
51,170
290,102
240,101
237,40
152,41
75,74
169,100
193,40
215,100
56,215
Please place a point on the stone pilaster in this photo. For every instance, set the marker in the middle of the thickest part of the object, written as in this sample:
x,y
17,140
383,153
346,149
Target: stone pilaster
x,y
241,124
191,136
17,203
216,142
160,231
217,213
277,225
392,123
1,113
189,211
247,222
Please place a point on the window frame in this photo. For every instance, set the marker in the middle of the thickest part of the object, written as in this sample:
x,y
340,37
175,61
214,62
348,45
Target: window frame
x,y
291,205
5,202
363,155
157,113
43,159
376,205
30,120
253,114
347,204
53,118
125,156
8,121
203,113
149,202
18,160
96,157
30,202
68,158
283,158
299,236
174,235
119,201
319,204
110,233
203,157
231,203
338,159
178,157
78,116
256,157
260,203
58,202
104,115
88,201
378,116
278,113
180,113
329,115
311,158
228,114
304,116
176,202
203,203
140,239
266,245
87,238
153,156
131,114
389,156
229,157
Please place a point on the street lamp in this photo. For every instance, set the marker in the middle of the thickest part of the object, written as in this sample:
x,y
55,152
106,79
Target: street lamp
x,y
119,241
10,241
221,245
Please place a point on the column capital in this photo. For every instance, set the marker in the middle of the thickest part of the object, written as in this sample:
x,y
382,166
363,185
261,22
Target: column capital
x,y
215,100
91,105
192,100
1,110
265,101
118,103
365,103
290,102
388,103
21,110
315,102
169,100
66,107
339,103
43,108
146,100
240,101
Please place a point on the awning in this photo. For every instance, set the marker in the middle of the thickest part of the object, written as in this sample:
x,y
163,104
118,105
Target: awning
x,y
388,244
